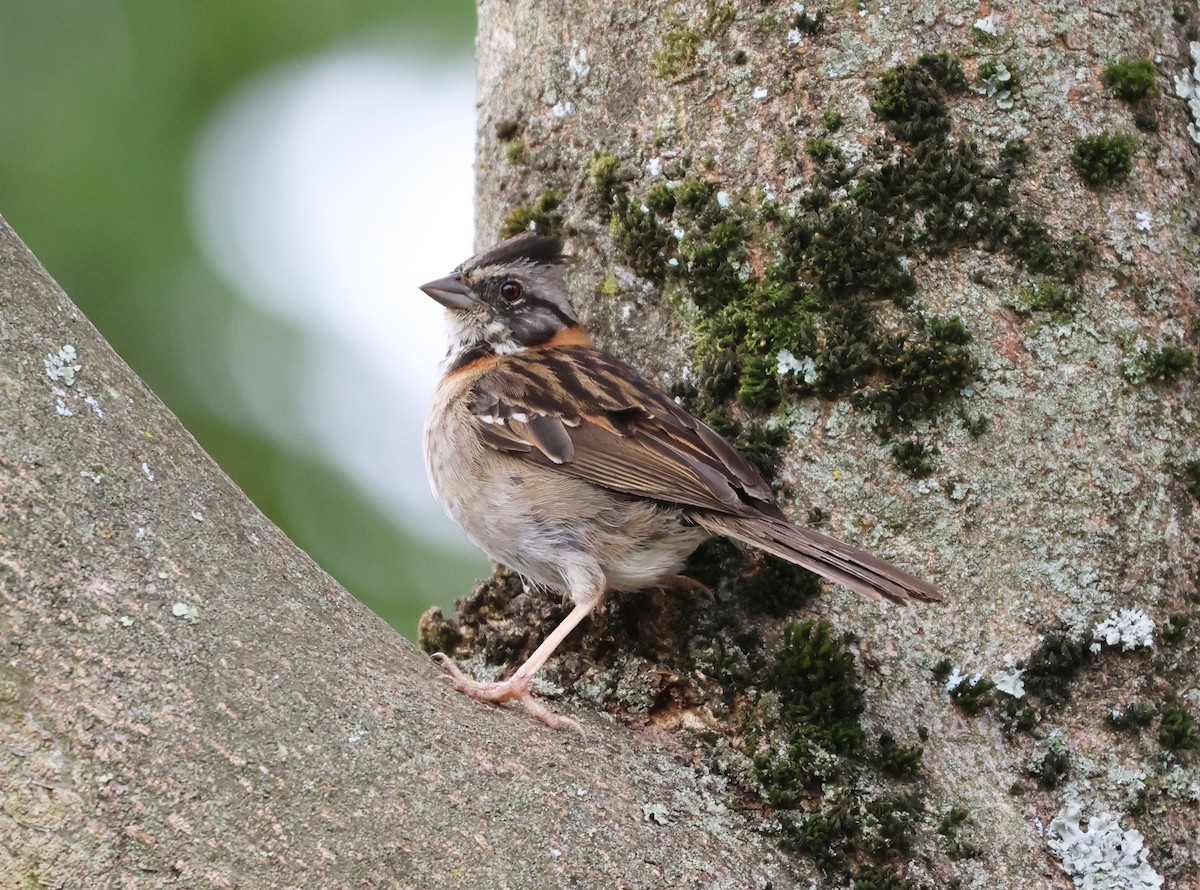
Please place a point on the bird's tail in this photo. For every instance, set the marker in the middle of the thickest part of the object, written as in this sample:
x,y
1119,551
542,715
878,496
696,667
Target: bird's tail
x,y
841,563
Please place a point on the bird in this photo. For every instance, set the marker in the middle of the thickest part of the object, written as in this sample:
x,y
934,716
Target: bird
x,y
570,467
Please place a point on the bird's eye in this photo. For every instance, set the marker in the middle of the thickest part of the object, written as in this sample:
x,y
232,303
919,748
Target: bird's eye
x,y
511,291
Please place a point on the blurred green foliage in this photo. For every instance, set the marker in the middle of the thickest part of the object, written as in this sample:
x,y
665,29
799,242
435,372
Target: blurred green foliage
x,y
101,104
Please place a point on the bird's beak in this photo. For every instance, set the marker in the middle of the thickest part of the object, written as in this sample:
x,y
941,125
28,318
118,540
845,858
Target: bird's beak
x,y
451,292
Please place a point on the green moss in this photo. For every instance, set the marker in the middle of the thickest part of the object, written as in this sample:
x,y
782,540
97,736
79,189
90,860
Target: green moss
x,y
437,634
941,671
852,839
641,237
922,375
831,120
677,52
810,24
759,443
819,148
953,821
1177,731
1132,80
817,686
680,43
1053,767
1166,364
950,828
540,216
602,178
1016,151
1052,667
897,760
759,386
1175,629
973,694
507,129
975,425
718,17
1145,120
914,457
779,588
849,252
515,152
1049,297
1043,255
984,39
1133,718
661,200
1106,159
820,271
910,97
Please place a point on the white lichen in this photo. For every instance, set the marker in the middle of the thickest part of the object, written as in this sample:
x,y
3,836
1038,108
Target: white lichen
x,y
1009,680
1131,628
996,86
62,365
1182,783
1141,219
656,813
91,402
760,92
186,611
957,678
805,367
1102,855
987,24
577,65
1187,88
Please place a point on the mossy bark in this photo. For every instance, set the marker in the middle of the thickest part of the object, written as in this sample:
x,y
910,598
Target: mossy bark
x,y
1054,481
186,699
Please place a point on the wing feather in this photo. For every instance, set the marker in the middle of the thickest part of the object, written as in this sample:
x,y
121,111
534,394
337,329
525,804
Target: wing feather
x,y
588,414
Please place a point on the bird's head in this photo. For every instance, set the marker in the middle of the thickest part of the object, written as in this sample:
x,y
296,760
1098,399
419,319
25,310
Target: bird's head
x,y
511,296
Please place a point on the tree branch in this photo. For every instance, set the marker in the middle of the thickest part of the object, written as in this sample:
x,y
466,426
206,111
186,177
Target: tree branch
x,y
186,698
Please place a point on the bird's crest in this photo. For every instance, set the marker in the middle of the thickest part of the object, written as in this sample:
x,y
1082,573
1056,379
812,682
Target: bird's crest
x,y
528,247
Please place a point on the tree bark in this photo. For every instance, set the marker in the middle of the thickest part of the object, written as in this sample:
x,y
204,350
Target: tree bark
x,y
187,700
1075,495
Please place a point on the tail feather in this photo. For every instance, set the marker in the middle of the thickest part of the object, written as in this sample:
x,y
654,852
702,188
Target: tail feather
x,y
830,558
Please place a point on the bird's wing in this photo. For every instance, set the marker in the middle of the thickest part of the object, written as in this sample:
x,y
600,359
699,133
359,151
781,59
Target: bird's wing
x,y
577,409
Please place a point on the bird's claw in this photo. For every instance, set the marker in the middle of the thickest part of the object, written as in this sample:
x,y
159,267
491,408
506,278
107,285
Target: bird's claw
x,y
515,688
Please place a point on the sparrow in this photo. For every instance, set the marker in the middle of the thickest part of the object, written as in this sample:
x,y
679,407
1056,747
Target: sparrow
x,y
568,466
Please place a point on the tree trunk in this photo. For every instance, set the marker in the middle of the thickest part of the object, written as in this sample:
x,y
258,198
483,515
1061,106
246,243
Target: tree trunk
x,y
878,249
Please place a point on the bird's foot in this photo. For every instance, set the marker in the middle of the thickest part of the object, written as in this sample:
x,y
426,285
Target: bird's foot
x,y
515,688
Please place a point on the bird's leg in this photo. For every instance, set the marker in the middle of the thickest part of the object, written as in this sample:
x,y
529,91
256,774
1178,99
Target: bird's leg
x,y
516,687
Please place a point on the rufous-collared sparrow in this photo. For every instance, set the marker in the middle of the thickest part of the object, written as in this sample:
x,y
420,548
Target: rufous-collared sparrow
x,y
571,468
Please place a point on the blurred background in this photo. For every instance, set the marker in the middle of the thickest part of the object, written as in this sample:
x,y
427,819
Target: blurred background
x,y
243,197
